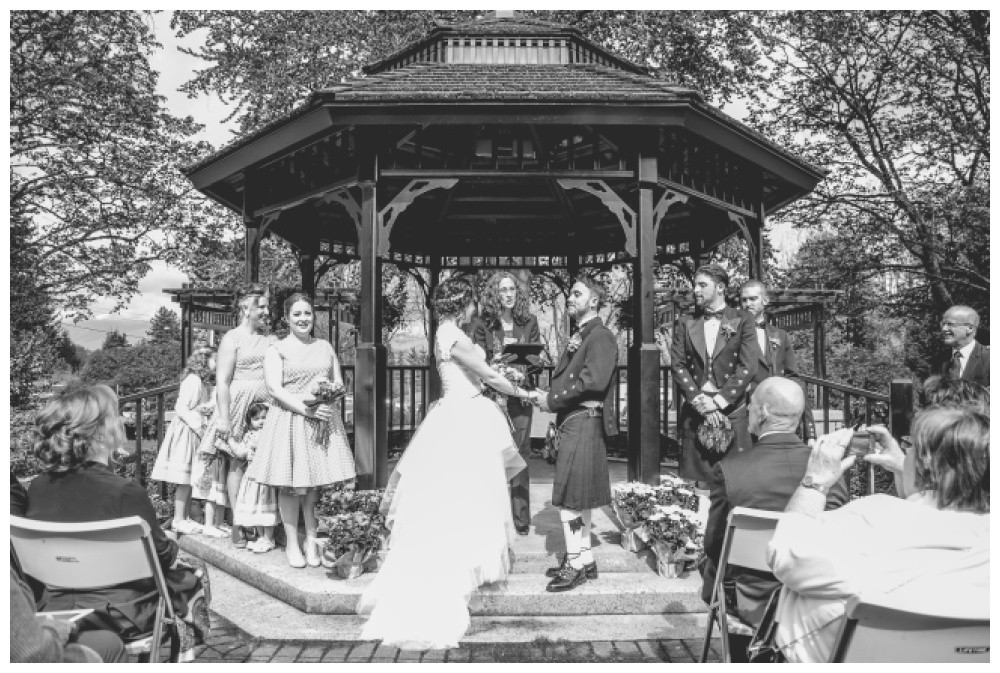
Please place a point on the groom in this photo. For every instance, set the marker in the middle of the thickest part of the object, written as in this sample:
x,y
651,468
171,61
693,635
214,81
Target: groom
x,y
582,395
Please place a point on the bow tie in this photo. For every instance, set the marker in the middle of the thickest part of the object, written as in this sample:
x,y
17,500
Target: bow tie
x,y
762,323
708,313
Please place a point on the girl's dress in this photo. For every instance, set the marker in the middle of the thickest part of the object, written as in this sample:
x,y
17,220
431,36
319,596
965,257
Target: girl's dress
x,y
294,451
256,504
419,599
179,449
246,388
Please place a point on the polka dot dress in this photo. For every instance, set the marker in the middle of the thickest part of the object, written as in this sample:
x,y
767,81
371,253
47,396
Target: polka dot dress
x,y
295,451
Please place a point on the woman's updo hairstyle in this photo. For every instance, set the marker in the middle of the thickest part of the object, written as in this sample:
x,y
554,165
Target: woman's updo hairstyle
x,y
80,424
452,297
244,291
295,298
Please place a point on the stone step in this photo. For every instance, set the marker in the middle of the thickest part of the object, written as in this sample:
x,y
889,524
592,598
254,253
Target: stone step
x,y
260,616
317,591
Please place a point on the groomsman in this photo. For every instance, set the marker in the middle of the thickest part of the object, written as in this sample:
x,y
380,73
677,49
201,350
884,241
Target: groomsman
x,y
777,358
714,359
967,358
582,395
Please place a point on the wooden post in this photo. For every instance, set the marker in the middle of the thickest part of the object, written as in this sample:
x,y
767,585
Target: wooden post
x,y
900,407
434,278
307,270
644,355
185,321
371,439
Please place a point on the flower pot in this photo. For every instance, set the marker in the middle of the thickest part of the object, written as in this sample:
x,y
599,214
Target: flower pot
x,y
353,564
669,562
632,541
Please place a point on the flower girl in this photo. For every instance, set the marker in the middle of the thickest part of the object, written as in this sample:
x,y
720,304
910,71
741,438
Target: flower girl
x,y
256,504
178,452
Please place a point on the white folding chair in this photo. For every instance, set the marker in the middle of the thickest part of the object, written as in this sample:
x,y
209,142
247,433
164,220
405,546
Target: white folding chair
x,y
79,556
747,533
876,630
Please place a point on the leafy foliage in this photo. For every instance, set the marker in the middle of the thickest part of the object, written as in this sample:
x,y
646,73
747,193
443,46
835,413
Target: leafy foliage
x,y
896,106
164,327
95,187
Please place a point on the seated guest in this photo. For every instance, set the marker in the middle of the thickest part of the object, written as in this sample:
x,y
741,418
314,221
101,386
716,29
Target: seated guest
x,y
78,431
763,478
931,546
36,638
960,392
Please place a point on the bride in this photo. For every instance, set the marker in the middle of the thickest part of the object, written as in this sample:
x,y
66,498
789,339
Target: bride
x,y
449,516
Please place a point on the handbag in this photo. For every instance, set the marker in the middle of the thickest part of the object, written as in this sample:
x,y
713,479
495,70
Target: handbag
x,y
762,648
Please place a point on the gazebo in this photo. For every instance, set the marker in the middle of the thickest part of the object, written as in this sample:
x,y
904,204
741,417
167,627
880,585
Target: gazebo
x,y
503,142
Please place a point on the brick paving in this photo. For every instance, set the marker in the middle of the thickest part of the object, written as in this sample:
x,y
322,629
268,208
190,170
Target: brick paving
x,y
229,643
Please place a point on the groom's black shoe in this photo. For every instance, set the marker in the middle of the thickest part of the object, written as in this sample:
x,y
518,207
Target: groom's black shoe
x,y
568,578
521,530
591,569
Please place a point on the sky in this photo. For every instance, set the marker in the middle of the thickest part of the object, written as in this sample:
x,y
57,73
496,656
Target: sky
x,y
175,68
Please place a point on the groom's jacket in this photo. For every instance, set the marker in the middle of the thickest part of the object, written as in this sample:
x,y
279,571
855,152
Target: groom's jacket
x,y
587,373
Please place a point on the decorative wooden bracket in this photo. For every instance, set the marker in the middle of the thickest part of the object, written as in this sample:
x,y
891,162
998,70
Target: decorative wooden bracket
x,y
613,202
402,201
348,201
668,199
745,230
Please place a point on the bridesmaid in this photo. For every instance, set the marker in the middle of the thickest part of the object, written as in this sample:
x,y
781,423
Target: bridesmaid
x,y
303,445
506,319
239,380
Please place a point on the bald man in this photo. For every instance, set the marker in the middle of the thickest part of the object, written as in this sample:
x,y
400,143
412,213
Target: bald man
x,y
763,478
966,358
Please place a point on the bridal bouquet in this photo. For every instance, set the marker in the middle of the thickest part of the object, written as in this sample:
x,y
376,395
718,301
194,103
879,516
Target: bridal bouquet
x,y
356,531
501,365
325,392
676,537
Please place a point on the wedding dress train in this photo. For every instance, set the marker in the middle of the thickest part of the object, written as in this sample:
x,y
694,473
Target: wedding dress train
x,y
450,515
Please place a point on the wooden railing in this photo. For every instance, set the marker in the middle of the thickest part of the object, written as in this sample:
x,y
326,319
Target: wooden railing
x,y
839,405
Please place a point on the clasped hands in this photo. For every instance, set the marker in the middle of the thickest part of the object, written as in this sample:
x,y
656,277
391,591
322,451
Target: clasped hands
x,y
539,398
704,404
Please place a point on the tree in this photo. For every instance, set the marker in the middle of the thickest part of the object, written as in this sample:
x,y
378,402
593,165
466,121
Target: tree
x,y
896,106
142,367
94,156
114,339
164,327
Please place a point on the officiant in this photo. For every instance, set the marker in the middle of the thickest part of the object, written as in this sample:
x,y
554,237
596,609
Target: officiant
x,y
506,319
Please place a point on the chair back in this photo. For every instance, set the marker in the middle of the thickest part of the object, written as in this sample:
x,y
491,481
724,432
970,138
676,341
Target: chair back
x,y
749,532
875,630
86,555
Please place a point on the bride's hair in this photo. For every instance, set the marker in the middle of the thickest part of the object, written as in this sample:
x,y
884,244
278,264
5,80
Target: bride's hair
x,y
452,297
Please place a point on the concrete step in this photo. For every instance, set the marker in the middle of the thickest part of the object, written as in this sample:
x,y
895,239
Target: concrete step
x,y
260,616
318,591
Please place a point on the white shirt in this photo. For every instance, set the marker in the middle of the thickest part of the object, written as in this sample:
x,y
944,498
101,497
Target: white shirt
x,y
711,334
762,340
965,352
874,545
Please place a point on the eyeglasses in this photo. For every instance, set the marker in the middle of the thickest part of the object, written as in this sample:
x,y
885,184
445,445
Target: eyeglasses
x,y
947,324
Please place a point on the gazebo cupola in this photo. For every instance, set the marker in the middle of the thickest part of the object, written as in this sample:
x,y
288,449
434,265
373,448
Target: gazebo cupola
x,y
504,142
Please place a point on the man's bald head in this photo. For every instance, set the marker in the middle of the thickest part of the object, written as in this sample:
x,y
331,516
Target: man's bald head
x,y
959,326
776,405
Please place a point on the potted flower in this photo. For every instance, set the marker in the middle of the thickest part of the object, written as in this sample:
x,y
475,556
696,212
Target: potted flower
x,y
676,537
633,503
355,531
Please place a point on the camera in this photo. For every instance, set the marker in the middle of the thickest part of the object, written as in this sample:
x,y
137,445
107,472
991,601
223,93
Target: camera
x,y
862,443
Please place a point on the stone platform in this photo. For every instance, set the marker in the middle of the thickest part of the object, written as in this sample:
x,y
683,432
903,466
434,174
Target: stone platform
x,y
628,586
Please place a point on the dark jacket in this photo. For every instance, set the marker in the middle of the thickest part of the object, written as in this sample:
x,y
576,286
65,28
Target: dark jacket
x,y
762,478
587,374
778,359
977,369
489,339
734,363
94,492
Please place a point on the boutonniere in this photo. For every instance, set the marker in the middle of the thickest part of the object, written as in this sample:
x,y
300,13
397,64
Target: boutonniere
x,y
729,328
775,342
574,343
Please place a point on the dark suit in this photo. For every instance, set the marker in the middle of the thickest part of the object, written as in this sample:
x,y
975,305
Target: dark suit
x,y
731,368
587,374
492,343
977,369
763,478
778,359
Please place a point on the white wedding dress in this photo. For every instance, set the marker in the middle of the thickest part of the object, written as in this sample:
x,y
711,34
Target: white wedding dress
x,y
450,515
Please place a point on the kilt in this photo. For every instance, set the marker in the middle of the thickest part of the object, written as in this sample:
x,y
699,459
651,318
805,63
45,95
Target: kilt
x,y
696,462
581,480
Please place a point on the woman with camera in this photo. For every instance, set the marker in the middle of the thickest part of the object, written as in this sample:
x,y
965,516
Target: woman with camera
x,y
931,544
